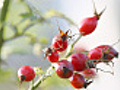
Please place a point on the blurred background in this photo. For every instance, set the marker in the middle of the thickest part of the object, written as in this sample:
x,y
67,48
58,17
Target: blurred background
x,y
30,25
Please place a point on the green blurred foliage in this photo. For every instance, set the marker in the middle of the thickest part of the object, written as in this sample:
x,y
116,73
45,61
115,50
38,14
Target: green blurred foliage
x,y
21,22
5,75
43,40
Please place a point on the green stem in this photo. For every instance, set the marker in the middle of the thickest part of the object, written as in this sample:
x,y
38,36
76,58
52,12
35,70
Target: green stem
x,y
39,81
4,11
3,16
70,47
76,41
31,85
18,36
1,44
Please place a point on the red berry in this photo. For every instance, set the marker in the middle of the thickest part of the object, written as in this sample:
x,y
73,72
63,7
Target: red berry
x,y
108,52
64,69
95,53
59,44
51,54
88,25
78,81
26,73
78,61
53,57
89,73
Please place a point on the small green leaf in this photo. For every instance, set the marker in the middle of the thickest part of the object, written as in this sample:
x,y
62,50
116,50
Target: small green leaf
x,y
24,15
38,70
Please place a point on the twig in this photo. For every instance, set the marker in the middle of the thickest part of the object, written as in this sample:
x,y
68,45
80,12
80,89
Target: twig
x,y
42,78
70,48
23,33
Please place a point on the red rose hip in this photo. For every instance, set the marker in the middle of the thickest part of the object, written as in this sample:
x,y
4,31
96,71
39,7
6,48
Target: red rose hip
x,y
95,53
78,61
51,54
89,73
59,44
26,73
89,24
64,69
78,81
108,52
53,57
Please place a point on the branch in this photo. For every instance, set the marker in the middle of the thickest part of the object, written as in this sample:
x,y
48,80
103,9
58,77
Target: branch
x,y
18,36
70,47
23,33
28,27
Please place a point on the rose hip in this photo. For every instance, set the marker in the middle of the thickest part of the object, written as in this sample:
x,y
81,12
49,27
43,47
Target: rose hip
x,y
78,61
26,73
64,69
78,81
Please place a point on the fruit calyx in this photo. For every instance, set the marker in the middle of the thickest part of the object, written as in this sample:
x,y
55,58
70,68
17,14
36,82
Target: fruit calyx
x,y
65,69
63,35
90,64
22,78
48,51
87,83
98,15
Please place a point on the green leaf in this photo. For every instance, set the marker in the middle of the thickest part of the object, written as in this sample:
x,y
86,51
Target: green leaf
x,y
24,15
38,70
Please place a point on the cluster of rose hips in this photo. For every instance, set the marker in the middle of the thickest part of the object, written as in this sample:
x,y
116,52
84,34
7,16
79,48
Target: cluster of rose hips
x,y
76,62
